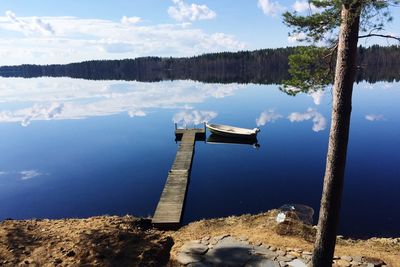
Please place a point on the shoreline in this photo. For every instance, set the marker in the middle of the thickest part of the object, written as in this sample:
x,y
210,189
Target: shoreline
x,y
130,241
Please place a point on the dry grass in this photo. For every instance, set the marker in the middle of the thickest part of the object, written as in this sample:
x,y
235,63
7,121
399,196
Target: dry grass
x,y
263,228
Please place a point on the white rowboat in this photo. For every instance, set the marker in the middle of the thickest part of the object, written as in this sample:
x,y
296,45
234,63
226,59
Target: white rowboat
x,y
232,131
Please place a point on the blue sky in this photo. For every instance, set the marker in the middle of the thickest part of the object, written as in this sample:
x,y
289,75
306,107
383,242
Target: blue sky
x,y
62,31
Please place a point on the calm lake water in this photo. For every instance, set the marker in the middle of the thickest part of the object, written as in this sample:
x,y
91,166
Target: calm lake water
x,y
77,148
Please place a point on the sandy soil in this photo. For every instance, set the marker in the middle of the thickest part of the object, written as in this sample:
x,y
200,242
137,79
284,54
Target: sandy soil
x,y
128,241
96,241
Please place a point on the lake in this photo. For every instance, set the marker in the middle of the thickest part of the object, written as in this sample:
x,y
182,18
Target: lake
x,y
78,148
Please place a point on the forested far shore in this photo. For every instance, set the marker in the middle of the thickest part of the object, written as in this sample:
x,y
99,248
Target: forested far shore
x,y
265,66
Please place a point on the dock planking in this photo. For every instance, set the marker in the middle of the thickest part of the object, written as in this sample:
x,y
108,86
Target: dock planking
x,y
169,210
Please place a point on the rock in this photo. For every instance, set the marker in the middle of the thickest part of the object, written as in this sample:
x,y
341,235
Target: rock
x,y
57,261
261,262
355,263
272,248
205,240
357,258
374,261
185,259
283,264
346,258
281,252
283,258
297,263
290,256
194,248
295,254
307,257
265,252
343,263
258,244
307,253
229,252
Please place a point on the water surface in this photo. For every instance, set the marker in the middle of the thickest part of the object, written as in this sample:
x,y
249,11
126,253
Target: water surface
x,y
77,148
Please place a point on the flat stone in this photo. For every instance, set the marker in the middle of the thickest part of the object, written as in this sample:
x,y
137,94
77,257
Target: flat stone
x,y
281,252
346,258
290,256
283,264
272,248
343,263
261,262
295,254
355,263
206,238
297,263
307,257
265,252
194,248
185,258
283,258
374,261
229,252
357,258
307,253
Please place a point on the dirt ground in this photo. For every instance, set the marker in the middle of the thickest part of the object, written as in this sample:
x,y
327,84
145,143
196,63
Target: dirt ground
x,y
128,241
96,241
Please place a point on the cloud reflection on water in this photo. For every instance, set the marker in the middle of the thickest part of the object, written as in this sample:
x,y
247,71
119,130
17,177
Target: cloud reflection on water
x,y
311,114
64,98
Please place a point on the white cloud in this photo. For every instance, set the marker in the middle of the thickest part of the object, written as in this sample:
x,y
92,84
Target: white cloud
x,y
374,117
70,39
319,121
29,174
130,20
296,37
29,26
317,96
181,11
43,112
65,98
270,8
302,6
267,116
136,113
193,117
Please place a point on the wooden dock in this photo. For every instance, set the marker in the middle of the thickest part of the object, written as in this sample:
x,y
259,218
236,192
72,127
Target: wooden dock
x,y
169,210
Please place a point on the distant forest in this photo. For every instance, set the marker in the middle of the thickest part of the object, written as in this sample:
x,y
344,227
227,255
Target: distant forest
x,y
266,66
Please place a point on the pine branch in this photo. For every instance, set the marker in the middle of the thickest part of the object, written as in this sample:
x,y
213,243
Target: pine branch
x,y
379,35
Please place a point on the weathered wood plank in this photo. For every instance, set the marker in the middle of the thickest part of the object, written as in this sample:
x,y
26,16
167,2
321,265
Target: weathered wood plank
x,y
172,199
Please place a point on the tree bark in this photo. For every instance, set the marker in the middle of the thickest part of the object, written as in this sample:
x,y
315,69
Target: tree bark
x,y
324,246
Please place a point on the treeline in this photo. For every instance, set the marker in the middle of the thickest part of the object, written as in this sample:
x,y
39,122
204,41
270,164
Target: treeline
x,y
266,66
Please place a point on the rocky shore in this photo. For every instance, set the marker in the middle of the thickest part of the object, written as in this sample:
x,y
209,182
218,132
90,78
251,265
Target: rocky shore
x,y
247,240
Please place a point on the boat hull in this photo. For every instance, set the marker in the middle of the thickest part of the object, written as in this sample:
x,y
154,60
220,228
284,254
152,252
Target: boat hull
x,y
230,131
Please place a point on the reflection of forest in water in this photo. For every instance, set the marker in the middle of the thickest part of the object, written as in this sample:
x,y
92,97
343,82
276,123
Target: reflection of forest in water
x,y
266,66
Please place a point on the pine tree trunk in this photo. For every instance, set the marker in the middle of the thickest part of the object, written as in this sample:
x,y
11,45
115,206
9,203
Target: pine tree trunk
x,y
324,246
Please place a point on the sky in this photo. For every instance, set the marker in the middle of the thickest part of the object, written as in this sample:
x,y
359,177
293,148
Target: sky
x,y
64,31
